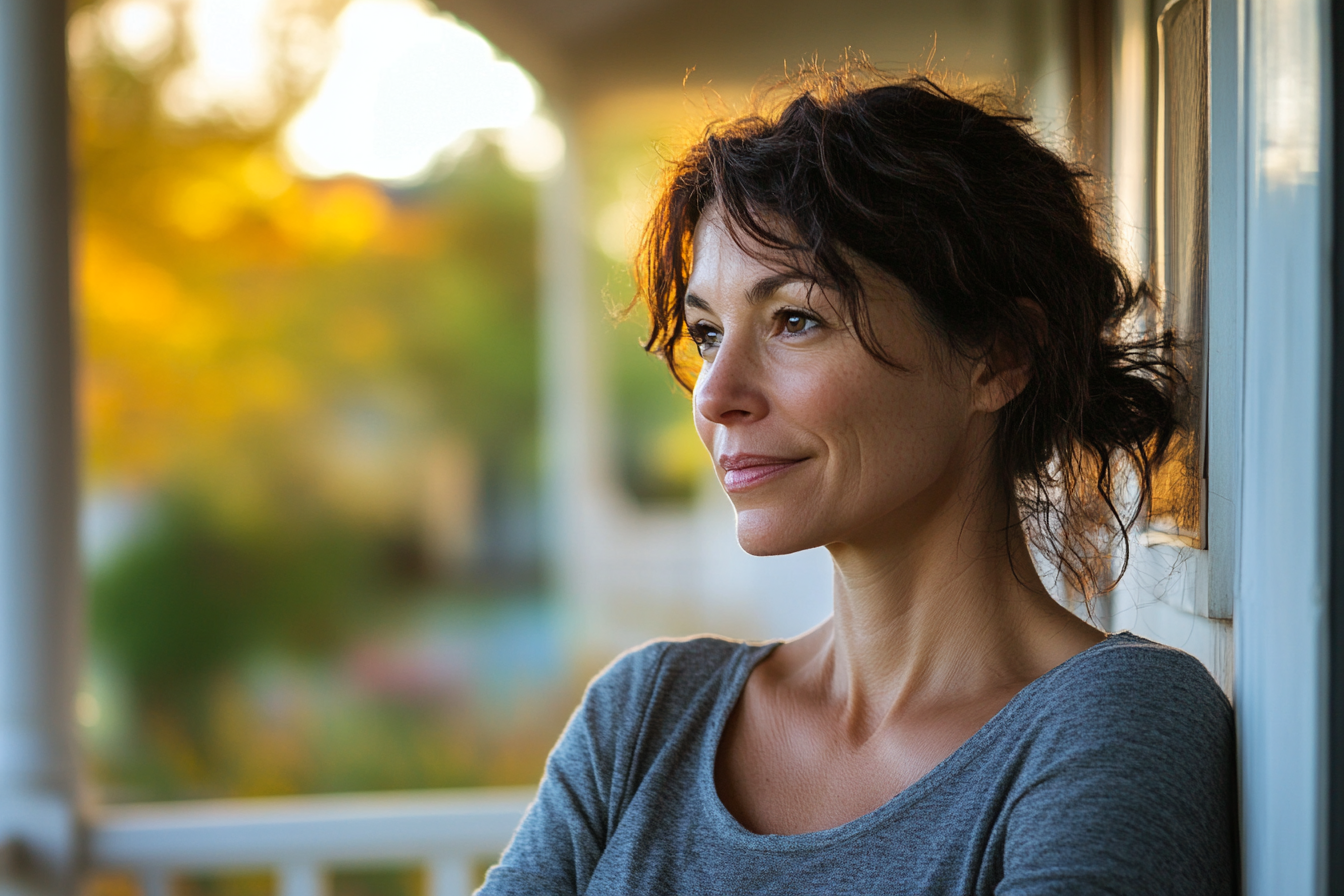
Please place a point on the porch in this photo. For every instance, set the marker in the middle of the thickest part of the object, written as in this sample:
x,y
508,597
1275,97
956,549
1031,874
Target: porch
x,y
1255,592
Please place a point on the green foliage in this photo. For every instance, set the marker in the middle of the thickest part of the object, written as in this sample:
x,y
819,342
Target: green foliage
x,y
656,446
193,597
238,643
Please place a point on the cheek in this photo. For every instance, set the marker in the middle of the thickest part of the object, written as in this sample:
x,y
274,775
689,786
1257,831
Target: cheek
x,y
892,432
703,427
706,433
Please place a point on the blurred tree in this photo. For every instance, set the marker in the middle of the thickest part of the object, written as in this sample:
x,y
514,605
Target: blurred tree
x,y
190,599
309,384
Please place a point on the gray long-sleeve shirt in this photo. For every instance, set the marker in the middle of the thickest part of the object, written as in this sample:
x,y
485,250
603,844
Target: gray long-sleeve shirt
x,y
1111,774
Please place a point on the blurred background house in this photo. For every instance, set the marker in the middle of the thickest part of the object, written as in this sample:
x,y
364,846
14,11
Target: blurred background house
x,y
375,475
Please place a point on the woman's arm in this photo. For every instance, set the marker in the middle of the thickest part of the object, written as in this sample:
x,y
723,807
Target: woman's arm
x,y
561,838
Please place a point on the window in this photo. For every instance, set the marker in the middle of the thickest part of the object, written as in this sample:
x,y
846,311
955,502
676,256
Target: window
x,y
1179,507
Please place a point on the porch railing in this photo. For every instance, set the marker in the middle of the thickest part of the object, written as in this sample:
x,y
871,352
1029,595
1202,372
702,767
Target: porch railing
x,y
302,839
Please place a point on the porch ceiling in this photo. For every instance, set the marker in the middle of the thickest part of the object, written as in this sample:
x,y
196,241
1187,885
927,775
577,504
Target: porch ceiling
x,y
579,48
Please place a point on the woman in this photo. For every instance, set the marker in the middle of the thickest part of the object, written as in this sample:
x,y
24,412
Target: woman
x,y
909,350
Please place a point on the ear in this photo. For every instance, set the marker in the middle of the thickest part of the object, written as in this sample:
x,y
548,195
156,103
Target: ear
x,y
1005,369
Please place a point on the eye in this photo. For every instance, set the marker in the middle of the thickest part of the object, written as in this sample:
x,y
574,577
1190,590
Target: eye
x,y
795,323
706,338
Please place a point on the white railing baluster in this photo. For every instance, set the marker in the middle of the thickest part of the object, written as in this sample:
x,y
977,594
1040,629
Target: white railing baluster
x,y
448,876
156,882
302,879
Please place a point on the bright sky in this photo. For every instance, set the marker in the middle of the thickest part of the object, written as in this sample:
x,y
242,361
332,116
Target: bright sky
x,y
402,86
406,85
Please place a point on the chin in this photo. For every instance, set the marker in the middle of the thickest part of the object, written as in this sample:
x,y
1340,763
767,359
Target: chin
x,y
765,533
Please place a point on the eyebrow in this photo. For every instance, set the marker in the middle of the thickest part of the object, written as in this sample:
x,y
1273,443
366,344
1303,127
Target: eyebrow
x,y
760,291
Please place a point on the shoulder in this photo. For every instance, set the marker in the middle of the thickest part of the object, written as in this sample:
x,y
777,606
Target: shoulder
x,y
1134,741
635,707
1128,703
681,666
1132,656
1131,678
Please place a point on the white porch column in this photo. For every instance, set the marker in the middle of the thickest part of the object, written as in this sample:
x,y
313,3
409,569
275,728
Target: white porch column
x,y
573,426
565,344
38,572
1282,538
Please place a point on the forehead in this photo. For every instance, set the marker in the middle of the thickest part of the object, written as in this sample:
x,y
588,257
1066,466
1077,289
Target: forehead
x,y
719,261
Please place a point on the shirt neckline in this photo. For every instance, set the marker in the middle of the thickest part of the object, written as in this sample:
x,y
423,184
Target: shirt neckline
x,y
726,825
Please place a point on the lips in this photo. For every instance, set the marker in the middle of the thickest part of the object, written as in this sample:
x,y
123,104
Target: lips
x,y
744,471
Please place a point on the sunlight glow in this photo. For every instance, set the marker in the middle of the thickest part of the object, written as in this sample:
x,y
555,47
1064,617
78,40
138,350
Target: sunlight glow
x,y
140,32
87,710
229,72
406,87
534,148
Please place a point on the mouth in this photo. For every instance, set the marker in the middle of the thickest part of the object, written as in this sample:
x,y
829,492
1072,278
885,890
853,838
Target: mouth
x,y
744,471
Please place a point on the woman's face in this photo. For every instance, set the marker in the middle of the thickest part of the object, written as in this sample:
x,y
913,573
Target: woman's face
x,y
815,440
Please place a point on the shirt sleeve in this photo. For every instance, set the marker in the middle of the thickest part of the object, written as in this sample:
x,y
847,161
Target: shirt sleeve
x,y
1137,797
563,833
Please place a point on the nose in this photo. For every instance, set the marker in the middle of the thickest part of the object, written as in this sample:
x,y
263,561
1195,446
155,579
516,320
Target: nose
x,y
729,389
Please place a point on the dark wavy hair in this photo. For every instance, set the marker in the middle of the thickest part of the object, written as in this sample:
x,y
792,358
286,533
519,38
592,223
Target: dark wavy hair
x,y
956,199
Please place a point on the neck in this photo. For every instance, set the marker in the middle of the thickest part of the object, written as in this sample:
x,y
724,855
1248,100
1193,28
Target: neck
x,y
934,607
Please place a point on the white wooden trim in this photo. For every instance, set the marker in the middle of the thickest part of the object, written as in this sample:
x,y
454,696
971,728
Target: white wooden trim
x,y
1282,538
298,834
